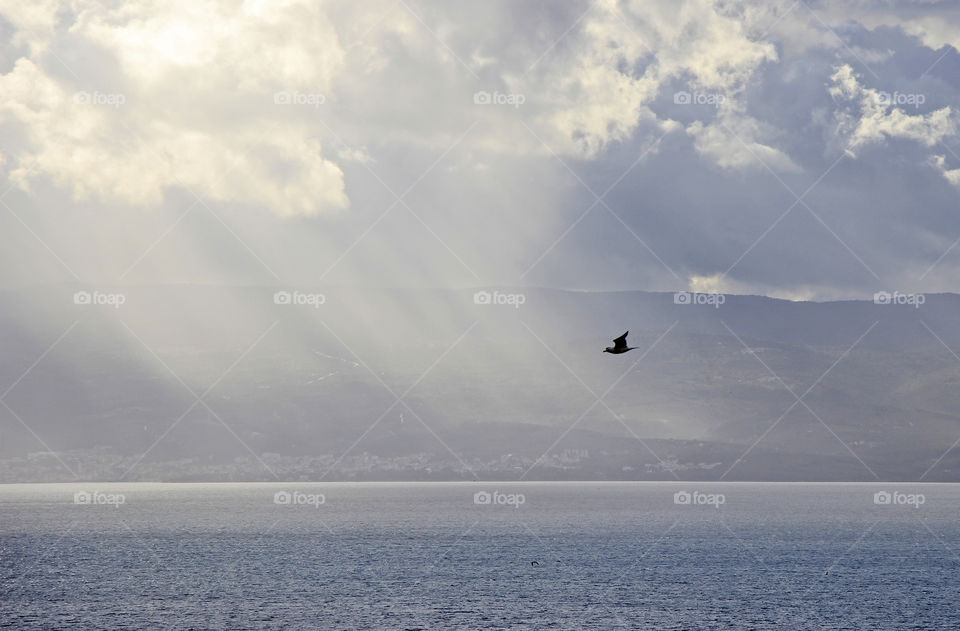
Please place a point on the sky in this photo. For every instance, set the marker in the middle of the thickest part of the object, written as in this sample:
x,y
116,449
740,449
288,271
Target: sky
x,y
798,149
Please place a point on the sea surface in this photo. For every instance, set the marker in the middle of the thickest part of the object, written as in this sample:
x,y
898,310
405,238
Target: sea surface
x,y
480,556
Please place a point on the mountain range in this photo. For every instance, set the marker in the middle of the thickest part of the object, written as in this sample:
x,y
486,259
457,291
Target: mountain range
x,y
196,382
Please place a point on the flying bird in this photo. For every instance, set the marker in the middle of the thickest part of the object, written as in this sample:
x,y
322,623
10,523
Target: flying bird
x,y
619,345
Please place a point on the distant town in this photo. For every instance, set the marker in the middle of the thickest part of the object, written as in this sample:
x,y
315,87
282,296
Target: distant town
x,y
92,465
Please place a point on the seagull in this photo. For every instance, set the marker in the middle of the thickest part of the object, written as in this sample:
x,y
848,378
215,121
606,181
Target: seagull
x,y
534,563
619,345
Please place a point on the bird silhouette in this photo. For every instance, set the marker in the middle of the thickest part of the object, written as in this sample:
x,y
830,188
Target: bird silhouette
x,y
619,345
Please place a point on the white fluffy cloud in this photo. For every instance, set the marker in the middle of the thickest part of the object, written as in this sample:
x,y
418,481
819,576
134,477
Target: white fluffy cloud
x,y
734,144
197,80
878,115
627,55
868,116
935,23
301,109
190,104
939,162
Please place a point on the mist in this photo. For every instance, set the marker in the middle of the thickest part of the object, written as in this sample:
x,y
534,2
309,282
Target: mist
x,y
173,174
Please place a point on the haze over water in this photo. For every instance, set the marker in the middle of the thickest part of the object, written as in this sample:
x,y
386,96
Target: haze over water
x,y
458,556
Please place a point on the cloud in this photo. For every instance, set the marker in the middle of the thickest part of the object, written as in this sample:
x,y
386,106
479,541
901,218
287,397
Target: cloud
x,y
282,115
34,22
939,162
732,145
354,154
720,284
935,23
868,116
876,115
254,45
604,79
197,79
189,105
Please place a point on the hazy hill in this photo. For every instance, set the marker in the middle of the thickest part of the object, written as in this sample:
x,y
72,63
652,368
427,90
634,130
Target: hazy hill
x,y
492,387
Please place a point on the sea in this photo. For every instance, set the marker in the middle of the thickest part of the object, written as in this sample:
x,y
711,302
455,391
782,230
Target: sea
x,y
411,556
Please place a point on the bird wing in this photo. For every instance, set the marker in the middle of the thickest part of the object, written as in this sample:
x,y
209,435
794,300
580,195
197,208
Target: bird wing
x,y
621,342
